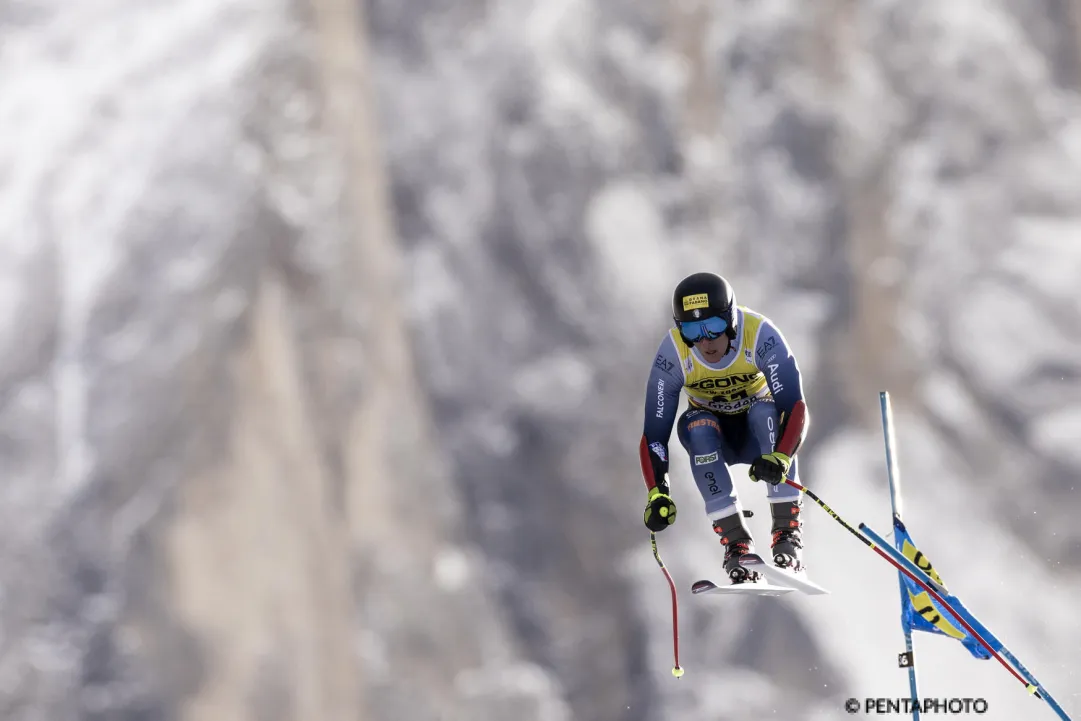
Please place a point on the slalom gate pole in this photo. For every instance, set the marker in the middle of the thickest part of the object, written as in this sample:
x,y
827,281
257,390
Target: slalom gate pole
x,y
927,583
893,472
966,620
677,671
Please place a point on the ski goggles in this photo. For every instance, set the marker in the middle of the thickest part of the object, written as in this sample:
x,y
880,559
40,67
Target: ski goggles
x,y
696,330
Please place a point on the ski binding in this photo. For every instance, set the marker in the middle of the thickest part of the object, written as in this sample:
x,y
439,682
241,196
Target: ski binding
x,y
795,580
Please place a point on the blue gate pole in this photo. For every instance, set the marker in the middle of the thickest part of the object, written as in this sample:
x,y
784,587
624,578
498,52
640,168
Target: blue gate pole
x,y
893,472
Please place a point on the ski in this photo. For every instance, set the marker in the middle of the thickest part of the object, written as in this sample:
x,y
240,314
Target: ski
x,y
797,581
748,588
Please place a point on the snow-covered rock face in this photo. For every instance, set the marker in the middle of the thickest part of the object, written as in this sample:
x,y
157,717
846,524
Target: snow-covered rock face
x,y
204,403
250,474
129,214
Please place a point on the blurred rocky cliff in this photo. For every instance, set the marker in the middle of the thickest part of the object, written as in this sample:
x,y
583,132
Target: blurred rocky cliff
x,y
213,505
328,322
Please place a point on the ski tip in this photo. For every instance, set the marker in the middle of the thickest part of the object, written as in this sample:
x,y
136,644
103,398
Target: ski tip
x,y
702,586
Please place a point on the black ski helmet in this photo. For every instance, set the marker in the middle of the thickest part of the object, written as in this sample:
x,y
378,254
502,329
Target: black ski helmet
x,y
704,295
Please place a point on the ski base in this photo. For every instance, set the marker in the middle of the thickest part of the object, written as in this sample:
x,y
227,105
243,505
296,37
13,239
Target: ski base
x,y
797,581
748,588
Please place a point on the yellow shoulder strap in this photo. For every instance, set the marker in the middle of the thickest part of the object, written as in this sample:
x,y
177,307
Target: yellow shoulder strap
x,y
681,348
751,322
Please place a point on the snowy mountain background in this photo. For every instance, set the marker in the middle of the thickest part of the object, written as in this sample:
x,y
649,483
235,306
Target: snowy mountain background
x,y
328,327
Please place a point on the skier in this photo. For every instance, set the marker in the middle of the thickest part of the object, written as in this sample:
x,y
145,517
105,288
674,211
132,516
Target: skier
x,y
745,405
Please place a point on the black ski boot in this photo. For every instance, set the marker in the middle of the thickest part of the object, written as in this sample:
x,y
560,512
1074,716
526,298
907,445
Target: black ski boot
x,y
737,541
787,543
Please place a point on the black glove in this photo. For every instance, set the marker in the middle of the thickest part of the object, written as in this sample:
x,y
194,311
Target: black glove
x,y
660,510
771,468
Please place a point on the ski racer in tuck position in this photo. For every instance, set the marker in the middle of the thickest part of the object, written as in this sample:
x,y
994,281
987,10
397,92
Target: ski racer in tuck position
x,y
745,406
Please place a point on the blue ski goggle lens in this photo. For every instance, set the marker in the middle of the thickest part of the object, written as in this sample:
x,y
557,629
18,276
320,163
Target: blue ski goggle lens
x,y
696,330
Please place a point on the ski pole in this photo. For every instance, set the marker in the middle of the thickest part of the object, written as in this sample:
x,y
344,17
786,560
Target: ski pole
x,y
676,670
810,494
930,586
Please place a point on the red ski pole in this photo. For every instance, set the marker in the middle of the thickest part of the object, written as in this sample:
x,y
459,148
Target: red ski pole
x,y
676,670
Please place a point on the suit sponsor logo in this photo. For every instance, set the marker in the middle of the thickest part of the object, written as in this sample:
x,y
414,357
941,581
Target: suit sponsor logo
x,y
775,383
708,458
709,422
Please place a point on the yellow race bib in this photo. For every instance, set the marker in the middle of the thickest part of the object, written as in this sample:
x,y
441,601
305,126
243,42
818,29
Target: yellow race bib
x,y
733,388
